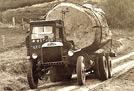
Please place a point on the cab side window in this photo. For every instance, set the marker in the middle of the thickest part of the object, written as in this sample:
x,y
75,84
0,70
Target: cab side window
x,y
58,35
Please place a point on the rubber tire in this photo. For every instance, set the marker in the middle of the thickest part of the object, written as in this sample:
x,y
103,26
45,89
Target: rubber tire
x,y
81,76
32,76
110,67
96,67
103,67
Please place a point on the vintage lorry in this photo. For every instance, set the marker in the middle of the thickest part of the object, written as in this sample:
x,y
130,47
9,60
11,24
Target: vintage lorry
x,y
53,49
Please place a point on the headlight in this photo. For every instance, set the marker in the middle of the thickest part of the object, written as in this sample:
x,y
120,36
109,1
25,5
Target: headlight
x,y
34,55
70,53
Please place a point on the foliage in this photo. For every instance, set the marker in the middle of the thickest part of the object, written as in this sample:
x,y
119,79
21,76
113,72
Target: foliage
x,y
119,13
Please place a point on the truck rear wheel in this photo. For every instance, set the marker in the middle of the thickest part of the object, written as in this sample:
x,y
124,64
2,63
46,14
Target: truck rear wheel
x,y
103,67
80,68
32,76
96,67
110,68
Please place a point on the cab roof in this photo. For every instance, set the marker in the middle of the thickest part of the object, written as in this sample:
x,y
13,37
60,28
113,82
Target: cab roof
x,y
47,22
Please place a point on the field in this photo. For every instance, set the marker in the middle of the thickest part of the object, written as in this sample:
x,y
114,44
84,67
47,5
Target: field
x,y
119,13
11,38
11,4
32,12
26,13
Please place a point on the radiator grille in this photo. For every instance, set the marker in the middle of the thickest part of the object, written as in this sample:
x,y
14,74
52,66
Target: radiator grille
x,y
52,54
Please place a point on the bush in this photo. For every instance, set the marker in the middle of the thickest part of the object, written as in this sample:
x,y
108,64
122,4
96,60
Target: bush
x,y
119,13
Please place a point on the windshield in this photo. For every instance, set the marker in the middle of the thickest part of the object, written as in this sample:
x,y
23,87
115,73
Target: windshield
x,y
42,32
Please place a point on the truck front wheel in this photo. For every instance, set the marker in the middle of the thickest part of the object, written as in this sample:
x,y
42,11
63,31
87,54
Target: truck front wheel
x,y
80,68
32,76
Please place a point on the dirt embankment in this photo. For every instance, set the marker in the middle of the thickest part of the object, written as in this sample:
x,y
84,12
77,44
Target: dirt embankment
x,y
13,69
12,58
123,42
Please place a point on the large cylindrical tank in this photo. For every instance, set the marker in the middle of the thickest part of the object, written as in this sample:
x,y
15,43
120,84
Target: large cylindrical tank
x,y
84,24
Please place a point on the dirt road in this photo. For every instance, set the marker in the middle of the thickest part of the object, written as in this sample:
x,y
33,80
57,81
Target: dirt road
x,y
14,78
125,82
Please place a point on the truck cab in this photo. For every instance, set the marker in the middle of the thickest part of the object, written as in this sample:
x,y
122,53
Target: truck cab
x,y
47,41
48,50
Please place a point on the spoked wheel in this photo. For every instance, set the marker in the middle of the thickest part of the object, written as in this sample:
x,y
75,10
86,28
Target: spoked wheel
x,y
80,68
32,76
96,67
103,67
110,68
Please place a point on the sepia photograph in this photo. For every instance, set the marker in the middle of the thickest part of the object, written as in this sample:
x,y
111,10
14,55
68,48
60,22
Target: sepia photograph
x,y
66,45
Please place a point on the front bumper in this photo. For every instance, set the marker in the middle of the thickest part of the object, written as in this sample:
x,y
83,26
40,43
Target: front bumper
x,y
53,63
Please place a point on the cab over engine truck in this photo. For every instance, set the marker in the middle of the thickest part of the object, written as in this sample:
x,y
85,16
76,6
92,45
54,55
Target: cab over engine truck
x,y
52,53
